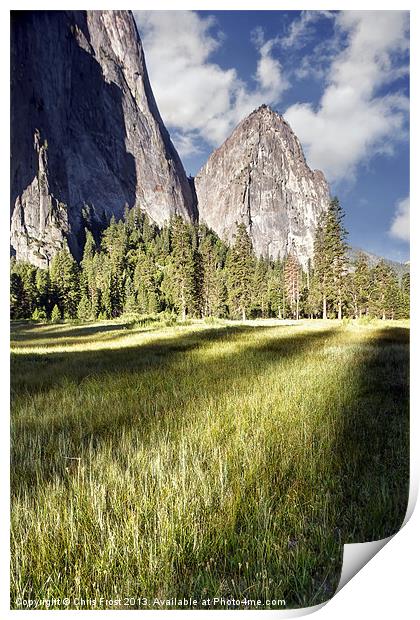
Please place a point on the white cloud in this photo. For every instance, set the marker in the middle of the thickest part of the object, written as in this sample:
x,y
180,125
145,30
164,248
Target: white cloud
x,y
400,227
186,144
197,97
301,29
352,121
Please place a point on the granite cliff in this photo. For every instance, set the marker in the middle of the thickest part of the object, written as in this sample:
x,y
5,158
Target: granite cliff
x,y
87,139
259,176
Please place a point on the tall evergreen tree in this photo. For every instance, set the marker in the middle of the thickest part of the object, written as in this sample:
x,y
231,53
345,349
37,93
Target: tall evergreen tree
x,y
88,280
292,282
240,267
313,296
65,282
18,308
336,247
330,259
359,285
210,292
260,296
43,287
147,277
383,285
130,302
182,267
276,289
319,284
405,290
114,245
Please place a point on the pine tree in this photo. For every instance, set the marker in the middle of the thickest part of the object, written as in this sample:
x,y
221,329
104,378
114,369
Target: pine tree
x,y
130,302
84,308
39,314
65,282
18,309
106,286
198,274
330,259
55,314
360,289
405,290
313,298
212,286
384,284
27,296
219,295
276,290
260,300
336,247
114,246
147,277
182,267
43,287
240,265
292,282
393,296
319,282
88,278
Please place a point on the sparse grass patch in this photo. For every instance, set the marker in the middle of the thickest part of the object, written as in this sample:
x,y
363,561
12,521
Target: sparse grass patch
x,y
203,460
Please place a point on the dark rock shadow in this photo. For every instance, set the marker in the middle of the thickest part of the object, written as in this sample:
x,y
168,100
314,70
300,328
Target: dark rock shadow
x,y
58,90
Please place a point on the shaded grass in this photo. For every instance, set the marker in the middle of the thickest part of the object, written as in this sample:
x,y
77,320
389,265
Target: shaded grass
x,y
204,461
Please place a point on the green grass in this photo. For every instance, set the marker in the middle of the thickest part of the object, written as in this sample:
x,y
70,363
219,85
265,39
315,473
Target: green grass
x,y
203,460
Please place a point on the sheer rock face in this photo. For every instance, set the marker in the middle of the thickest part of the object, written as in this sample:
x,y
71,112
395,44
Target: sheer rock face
x,y
87,139
259,176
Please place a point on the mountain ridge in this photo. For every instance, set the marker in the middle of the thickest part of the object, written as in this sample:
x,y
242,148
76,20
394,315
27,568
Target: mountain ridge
x,y
400,268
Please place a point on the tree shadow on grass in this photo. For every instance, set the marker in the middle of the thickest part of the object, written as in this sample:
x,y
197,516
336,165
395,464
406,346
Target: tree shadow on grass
x,y
38,376
31,334
34,372
372,442
366,482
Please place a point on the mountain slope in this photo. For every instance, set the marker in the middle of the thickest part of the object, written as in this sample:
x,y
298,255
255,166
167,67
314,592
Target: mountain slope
x,y
373,259
87,139
259,176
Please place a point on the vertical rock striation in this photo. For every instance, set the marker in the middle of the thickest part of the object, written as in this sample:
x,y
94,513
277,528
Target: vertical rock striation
x,y
87,139
259,176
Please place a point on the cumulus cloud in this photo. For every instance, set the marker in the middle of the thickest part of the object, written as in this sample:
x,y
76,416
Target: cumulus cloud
x,y
400,227
196,97
353,121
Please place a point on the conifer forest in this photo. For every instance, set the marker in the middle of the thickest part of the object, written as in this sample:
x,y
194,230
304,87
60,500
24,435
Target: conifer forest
x,y
186,270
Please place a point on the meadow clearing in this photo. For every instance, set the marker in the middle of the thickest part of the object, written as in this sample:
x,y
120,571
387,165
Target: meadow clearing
x,y
203,460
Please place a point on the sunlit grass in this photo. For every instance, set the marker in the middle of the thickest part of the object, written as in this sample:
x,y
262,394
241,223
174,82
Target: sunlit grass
x,y
203,460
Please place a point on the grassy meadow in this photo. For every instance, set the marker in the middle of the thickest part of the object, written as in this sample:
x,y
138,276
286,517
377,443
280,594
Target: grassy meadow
x,y
203,460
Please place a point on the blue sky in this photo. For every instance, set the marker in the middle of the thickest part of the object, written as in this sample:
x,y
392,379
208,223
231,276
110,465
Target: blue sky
x,y
341,79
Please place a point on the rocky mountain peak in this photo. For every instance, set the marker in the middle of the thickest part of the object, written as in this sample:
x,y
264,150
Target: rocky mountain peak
x,y
87,139
259,176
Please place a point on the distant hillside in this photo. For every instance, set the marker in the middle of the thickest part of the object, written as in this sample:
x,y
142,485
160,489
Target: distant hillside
x,y
399,268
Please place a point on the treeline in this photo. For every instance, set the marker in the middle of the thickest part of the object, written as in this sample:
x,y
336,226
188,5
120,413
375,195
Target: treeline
x,y
186,269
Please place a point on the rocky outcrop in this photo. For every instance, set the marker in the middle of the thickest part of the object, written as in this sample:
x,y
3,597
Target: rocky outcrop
x,y
87,139
259,176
